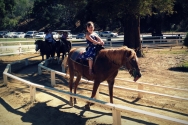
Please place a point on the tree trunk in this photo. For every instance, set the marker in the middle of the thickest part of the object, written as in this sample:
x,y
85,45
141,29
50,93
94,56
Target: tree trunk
x,y
132,33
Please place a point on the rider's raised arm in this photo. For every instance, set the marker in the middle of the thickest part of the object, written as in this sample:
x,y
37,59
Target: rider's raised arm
x,y
100,40
88,37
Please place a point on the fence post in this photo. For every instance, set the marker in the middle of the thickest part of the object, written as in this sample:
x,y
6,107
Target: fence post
x,y
116,117
32,93
4,79
53,78
20,48
26,62
39,70
140,87
9,71
177,42
0,47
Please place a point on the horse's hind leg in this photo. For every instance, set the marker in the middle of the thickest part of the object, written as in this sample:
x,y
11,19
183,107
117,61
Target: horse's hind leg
x,y
71,79
76,85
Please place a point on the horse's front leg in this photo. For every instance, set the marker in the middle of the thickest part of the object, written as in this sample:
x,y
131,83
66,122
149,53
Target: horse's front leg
x,y
63,55
42,57
76,85
52,57
47,56
110,88
58,57
95,87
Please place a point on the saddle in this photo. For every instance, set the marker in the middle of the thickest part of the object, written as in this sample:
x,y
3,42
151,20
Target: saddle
x,y
78,52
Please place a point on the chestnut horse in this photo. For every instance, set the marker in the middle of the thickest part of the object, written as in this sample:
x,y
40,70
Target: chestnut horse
x,y
105,67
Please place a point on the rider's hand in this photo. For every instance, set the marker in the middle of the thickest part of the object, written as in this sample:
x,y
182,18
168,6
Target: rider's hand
x,y
102,43
95,43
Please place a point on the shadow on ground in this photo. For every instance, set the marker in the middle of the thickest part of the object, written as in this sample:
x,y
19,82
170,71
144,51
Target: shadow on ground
x,y
179,69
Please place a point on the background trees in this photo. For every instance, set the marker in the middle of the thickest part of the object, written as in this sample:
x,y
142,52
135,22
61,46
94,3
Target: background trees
x,y
6,11
107,14
12,12
127,17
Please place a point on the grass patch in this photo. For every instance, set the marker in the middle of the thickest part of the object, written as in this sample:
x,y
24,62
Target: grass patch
x,y
185,65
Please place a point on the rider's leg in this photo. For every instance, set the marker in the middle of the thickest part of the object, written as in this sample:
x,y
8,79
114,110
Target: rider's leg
x,y
90,61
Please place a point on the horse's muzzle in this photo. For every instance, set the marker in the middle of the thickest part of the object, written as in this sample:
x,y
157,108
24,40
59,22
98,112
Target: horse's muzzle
x,y
137,75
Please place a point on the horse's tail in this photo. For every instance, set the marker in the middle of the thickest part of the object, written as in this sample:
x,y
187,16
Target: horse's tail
x,y
64,64
70,67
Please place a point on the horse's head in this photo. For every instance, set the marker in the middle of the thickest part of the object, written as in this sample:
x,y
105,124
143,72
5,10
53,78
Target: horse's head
x,y
37,44
132,65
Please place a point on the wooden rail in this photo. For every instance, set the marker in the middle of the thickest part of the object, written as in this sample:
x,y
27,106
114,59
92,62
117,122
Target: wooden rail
x,y
18,49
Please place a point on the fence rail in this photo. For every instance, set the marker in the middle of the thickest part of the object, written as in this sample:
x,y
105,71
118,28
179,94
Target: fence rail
x,y
150,41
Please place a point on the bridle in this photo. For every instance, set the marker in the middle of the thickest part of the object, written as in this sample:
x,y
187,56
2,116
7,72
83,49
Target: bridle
x,y
134,68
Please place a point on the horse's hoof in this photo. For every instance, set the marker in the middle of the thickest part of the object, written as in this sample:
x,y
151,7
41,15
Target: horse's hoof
x,y
87,107
71,104
92,104
75,101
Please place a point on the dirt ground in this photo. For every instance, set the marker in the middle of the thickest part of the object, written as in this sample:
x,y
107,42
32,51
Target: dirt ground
x,y
158,67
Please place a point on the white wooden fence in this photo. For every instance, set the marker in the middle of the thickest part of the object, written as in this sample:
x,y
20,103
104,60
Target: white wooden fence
x,y
116,109
19,48
156,43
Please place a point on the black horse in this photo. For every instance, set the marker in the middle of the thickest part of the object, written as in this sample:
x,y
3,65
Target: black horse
x,y
64,47
45,49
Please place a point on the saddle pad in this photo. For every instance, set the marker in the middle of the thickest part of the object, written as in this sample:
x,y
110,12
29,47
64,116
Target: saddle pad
x,y
77,53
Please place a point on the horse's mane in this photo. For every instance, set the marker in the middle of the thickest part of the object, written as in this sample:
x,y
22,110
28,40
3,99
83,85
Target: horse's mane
x,y
117,55
38,41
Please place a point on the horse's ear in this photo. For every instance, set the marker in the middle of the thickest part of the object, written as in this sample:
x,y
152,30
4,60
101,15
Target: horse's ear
x,y
137,49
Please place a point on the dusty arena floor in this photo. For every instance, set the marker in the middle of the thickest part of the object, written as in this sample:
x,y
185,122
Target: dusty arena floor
x,y
158,67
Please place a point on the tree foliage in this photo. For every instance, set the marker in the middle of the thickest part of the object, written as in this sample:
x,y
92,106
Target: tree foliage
x,y
12,12
107,14
6,10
